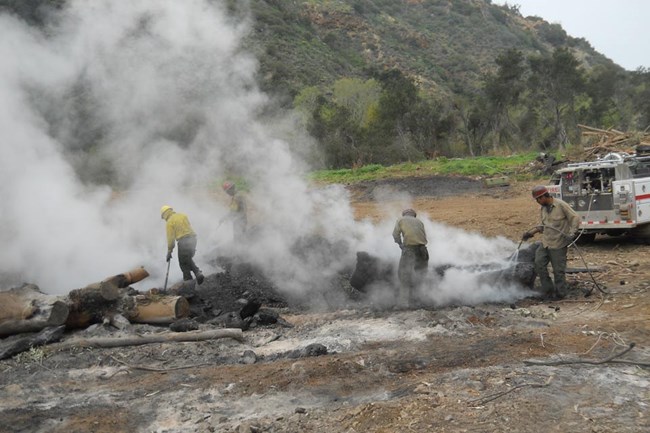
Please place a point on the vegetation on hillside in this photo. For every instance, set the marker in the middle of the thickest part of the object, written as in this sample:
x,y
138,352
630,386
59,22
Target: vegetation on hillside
x,y
390,81
515,166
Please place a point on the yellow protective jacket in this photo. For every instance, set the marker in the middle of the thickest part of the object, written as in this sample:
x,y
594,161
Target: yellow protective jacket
x,y
238,204
178,226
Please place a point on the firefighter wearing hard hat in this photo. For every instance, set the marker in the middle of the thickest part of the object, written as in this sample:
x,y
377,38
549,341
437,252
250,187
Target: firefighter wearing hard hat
x,y
411,237
559,229
238,211
179,231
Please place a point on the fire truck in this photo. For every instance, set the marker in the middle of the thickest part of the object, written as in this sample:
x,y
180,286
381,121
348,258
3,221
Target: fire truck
x,y
611,195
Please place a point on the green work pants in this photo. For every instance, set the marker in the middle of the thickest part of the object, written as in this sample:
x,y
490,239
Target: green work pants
x,y
411,271
186,250
557,259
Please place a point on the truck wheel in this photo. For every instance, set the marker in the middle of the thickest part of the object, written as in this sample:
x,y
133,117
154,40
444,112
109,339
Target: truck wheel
x,y
641,234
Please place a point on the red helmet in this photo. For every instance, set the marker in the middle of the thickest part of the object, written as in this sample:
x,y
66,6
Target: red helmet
x,y
539,191
227,186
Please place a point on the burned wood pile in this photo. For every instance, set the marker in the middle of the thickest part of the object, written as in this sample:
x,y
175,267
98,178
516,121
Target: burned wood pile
x,y
599,142
34,318
371,270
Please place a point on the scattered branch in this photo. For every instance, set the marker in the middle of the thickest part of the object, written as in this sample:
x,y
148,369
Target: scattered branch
x,y
143,367
583,361
491,397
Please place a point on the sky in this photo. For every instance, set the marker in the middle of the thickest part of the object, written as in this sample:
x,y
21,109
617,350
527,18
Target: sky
x,y
617,29
164,96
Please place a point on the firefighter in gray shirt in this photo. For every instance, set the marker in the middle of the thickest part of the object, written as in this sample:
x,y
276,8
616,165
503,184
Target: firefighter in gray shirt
x,y
559,227
409,234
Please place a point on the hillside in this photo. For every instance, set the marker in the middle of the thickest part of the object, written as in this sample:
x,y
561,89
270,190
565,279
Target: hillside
x,y
378,81
443,45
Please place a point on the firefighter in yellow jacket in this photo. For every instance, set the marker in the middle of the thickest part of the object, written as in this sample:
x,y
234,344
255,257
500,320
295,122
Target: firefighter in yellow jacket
x,y
237,212
179,231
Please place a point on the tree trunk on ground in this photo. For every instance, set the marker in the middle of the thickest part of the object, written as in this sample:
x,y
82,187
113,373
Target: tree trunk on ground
x,y
155,309
92,303
27,309
23,343
97,301
150,339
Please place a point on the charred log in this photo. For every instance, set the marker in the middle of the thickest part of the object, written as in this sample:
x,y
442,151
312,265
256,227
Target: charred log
x,y
23,343
92,303
370,269
27,309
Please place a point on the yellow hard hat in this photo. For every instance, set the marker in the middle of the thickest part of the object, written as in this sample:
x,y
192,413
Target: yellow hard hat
x,y
164,210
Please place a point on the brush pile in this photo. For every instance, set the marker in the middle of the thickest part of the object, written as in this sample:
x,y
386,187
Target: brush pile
x,y
600,142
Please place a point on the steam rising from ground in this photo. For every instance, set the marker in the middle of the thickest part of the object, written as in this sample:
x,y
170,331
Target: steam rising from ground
x,y
157,99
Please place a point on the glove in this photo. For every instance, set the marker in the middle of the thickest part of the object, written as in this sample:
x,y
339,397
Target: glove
x,y
526,236
572,237
169,256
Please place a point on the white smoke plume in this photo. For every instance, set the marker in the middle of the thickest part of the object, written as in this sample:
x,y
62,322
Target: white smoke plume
x,y
115,108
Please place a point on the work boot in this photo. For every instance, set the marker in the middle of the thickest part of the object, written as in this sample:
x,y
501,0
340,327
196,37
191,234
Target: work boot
x,y
199,278
558,296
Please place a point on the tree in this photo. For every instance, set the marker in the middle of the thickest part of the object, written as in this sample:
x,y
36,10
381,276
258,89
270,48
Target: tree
x,y
474,125
360,98
641,96
397,99
503,90
556,80
601,88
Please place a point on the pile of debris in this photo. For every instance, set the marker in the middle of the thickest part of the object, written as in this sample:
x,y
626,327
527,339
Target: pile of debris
x,y
600,142
227,304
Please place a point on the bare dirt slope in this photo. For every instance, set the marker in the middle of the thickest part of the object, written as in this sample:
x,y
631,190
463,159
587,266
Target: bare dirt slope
x,y
455,369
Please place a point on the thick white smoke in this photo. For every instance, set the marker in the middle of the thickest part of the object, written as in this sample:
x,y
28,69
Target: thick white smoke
x,y
157,99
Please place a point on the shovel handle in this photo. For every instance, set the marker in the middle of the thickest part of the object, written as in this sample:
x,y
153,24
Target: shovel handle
x,y
169,262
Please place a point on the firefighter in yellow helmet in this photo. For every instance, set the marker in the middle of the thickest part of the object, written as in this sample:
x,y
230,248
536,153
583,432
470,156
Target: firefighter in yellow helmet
x,y
411,237
238,210
179,231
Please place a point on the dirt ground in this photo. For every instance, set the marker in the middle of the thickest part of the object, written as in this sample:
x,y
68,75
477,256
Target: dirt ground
x,y
452,369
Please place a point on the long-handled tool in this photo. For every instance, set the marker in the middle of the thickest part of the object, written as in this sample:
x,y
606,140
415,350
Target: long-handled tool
x,y
169,262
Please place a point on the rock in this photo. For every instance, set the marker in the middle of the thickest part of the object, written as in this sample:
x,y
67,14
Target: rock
x,y
120,322
184,325
250,308
249,357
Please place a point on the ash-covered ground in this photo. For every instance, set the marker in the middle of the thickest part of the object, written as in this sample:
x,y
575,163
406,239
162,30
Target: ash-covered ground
x,y
358,368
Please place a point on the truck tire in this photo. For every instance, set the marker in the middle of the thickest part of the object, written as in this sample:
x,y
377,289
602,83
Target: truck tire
x,y
641,234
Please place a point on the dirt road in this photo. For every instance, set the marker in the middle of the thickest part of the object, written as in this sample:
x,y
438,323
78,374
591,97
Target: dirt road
x,y
453,369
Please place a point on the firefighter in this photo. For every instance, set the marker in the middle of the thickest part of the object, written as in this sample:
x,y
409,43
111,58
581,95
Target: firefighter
x,y
559,228
179,231
411,237
237,211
